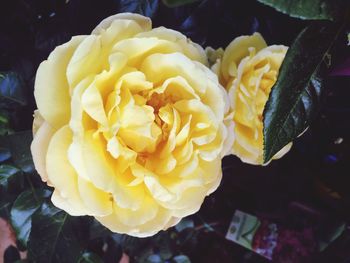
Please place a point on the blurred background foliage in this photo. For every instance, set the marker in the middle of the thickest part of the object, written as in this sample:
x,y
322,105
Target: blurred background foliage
x,y
309,187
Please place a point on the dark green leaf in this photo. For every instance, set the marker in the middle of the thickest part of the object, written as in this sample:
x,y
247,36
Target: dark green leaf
x,y
295,97
96,230
181,259
4,207
19,146
4,123
175,3
184,223
22,210
89,257
11,90
306,9
53,236
154,259
164,242
143,7
4,154
6,172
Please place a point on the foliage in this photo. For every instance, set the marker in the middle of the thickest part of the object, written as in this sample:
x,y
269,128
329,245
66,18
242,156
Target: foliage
x,y
314,173
311,9
295,97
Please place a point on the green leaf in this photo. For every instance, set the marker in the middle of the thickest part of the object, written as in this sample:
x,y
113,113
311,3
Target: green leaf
x,y
181,259
164,244
6,173
89,257
184,223
12,91
53,236
175,3
22,210
154,259
19,146
306,9
97,230
4,207
4,122
143,7
4,154
295,97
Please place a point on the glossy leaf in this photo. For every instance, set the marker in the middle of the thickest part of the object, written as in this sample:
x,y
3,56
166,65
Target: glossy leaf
x,y
11,90
89,257
181,259
4,207
4,123
295,97
19,146
6,173
143,7
53,236
175,3
22,210
310,9
184,223
5,154
97,230
154,259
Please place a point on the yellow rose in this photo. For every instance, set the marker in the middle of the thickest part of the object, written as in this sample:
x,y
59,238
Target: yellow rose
x,y
129,127
248,69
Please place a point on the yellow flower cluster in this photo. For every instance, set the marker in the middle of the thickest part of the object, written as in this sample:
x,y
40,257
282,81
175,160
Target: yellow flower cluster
x,y
132,125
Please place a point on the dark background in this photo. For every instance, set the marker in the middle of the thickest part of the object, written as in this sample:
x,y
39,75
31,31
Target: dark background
x,y
308,188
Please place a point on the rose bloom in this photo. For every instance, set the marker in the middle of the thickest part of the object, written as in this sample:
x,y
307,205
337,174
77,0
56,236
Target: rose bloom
x,y
129,127
248,69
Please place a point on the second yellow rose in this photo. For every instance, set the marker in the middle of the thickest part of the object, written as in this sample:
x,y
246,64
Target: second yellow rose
x,y
248,69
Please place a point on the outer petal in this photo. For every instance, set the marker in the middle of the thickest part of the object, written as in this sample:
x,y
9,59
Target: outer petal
x,y
51,87
74,209
161,221
60,173
144,22
39,148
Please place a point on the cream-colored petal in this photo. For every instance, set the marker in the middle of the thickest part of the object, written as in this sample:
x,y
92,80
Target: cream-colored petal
x,y
97,161
158,192
159,222
147,211
92,103
190,49
144,22
39,148
60,173
237,50
160,67
65,204
97,201
51,90
137,48
87,59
